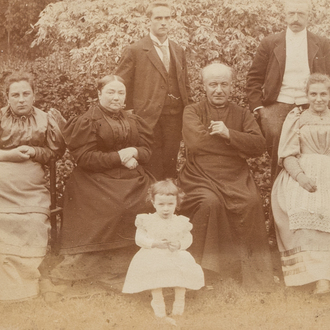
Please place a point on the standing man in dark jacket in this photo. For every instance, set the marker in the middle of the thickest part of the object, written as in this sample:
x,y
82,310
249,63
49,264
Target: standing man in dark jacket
x,y
276,79
155,73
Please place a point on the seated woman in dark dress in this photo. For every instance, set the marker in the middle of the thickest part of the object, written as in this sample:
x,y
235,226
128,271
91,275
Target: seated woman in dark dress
x,y
107,188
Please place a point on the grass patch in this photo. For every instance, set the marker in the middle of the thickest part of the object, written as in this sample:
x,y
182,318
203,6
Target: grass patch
x,y
226,306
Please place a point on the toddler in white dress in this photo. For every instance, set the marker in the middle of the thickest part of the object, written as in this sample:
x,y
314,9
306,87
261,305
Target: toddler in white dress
x,y
163,261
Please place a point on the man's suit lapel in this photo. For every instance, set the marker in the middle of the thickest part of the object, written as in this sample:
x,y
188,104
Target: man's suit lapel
x,y
153,57
313,48
280,51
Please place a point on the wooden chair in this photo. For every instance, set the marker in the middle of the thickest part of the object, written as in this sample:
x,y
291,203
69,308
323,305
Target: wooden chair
x,y
56,212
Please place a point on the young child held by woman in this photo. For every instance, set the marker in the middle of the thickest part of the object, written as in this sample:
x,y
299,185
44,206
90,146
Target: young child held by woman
x,y
163,261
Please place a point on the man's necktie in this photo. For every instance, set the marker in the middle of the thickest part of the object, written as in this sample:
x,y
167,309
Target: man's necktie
x,y
166,58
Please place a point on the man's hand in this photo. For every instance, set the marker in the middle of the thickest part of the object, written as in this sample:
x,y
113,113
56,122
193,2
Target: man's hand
x,y
219,128
258,112
306,182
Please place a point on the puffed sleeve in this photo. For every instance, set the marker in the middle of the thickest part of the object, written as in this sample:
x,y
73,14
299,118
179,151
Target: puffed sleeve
x,y
80,134
289,144
141,237
145,139
54,143
186,238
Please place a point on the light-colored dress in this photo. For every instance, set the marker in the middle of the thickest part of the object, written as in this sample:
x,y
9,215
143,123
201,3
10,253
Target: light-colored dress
x,y
302,218
153,268
25,201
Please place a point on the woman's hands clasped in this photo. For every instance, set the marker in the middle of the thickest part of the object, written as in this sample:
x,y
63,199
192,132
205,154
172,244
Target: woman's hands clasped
x,y
128,157
17,155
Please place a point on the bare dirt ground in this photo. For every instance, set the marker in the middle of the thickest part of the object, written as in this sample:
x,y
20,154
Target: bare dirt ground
x,y
222,304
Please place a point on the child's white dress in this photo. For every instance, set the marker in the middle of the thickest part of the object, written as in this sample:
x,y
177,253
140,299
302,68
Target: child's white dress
x,y
153,268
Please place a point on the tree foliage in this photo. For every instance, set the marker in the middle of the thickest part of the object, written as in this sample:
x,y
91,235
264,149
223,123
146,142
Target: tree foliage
x,y
93,33
17,19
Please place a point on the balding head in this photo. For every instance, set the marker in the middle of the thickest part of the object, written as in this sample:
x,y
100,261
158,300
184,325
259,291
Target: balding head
x,y
216,69
217,79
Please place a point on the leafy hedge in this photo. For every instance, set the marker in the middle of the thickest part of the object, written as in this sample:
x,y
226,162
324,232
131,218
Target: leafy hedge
x,y
83,40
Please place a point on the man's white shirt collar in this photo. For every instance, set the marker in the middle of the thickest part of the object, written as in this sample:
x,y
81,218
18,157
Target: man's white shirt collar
x,y
154,38
290,35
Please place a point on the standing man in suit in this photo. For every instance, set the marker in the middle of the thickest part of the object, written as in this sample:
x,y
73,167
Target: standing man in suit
x,y
155,73
276,79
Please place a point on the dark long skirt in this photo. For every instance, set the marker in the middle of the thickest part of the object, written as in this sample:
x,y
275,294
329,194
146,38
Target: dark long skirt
x,y
99,215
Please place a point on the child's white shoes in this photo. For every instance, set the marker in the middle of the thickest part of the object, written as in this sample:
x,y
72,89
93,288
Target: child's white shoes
x,y
159,309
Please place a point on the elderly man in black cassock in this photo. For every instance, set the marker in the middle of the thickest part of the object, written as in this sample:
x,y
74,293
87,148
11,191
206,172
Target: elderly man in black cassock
x,y
222,199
